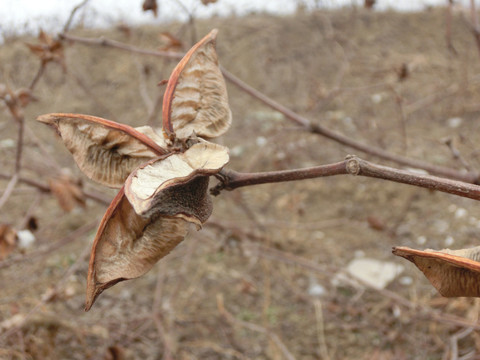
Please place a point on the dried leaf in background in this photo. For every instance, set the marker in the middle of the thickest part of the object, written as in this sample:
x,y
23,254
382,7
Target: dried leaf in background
x,y
8,240
452,272
48,50
171,42
206,2
68,192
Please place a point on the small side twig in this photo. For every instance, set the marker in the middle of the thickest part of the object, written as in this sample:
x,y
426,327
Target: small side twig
x,y
67,25
37,76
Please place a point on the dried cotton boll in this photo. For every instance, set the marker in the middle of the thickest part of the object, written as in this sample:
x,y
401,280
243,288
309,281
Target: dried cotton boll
x,y
25,239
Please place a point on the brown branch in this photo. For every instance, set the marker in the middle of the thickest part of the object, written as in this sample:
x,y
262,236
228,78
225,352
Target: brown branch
x,y
470,177
119,45
17,114
38,75
81,231
99,198
230,180
72,14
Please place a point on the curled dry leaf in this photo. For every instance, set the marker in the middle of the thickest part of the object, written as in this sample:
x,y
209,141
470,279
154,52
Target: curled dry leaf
x,y
68,192
127,245
196,99
48,50
105,151
155,186
452,272
8,240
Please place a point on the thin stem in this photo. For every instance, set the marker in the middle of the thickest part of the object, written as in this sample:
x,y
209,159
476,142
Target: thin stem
x,y
72,14
38,75
119,45
99,198
471,177
230,180
18,156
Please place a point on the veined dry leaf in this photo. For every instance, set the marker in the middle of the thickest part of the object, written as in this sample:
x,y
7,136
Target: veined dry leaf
x,y
104,150
452,272
196,97
68,192
127,245
8,240
171,185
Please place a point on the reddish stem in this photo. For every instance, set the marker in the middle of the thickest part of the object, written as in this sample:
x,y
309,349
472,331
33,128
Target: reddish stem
x,y
230,180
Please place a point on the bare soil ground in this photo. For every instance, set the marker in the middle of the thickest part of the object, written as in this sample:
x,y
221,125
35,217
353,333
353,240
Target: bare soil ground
x,y
256,281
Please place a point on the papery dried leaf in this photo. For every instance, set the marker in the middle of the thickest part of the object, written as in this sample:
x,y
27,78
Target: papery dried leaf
x,y
452,272
172,43
150,5
104,150
206,2
68,192
8,240
178,183
196,98
127,245
48,50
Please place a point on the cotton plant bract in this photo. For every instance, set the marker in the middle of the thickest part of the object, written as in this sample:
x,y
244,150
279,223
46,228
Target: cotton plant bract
x,y
163,177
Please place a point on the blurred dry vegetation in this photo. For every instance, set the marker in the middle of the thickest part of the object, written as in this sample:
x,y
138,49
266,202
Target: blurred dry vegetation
x,y
256,282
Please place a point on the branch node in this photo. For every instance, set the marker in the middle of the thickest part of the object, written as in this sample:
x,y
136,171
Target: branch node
x,y
352,165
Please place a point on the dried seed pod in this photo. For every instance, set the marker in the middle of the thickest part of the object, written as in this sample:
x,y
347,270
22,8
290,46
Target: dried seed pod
x,y
196,99
452,272
105,151
127,245
174,184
